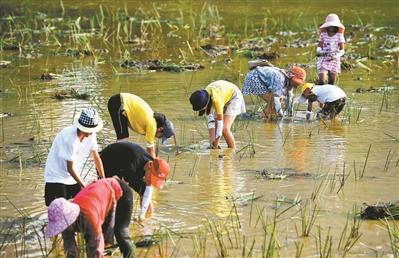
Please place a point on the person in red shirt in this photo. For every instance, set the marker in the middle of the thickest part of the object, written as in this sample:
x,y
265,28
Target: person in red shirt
x,y
99,211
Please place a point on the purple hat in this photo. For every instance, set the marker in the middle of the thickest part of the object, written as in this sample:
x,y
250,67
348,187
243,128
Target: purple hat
x,y
61,214
199,99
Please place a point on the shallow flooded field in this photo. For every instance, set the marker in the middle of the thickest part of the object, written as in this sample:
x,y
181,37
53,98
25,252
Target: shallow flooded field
x,y
291,189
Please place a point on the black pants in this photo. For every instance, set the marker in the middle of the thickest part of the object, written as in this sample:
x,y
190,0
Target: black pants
x,y
123,215
333,108
119,121
56,190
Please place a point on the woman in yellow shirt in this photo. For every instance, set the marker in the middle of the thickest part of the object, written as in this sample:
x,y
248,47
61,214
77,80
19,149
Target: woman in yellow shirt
x,y
129,110
228,102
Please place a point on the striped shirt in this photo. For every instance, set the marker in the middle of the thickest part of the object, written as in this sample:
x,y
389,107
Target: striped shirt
x,y
331,46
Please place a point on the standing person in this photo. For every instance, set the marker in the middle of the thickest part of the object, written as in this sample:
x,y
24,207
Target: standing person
x,y
273,85
99,211
128,110
69,151
330,49
228,102
132,163
331,99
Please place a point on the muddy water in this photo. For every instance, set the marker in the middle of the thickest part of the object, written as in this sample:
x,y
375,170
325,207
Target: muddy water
x,y
203,182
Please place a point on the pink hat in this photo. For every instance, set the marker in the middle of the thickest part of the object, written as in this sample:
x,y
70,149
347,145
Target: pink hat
x,y
61,214
332,20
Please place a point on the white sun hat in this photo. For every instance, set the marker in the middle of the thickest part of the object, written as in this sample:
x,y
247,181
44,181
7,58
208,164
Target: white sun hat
x,y
89,121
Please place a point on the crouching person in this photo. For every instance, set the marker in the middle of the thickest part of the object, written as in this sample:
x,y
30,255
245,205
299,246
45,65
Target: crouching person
x,y
331,98
132,163
98,211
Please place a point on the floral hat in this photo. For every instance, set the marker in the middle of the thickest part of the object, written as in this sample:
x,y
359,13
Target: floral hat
x,y
61,214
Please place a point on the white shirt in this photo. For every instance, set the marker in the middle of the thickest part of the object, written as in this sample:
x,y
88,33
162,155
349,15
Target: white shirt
x,y
328,93
67,146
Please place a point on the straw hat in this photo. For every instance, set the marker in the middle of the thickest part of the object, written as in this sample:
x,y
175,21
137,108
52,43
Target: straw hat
x,y
61,214
332,20
89,121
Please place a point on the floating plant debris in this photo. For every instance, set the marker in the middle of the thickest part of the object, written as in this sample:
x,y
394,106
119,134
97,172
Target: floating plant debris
x,y
160,65
380,211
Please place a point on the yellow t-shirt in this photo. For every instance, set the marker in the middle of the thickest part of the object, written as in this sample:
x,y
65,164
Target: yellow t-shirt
x,y
221,92
140,116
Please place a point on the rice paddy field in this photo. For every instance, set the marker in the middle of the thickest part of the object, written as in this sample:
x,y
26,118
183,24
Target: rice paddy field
x,y
291,188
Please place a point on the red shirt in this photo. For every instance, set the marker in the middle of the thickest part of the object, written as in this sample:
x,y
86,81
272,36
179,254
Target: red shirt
x,y
97,199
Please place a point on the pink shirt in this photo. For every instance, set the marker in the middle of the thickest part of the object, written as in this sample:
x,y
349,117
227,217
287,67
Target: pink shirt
x,y
331,46
97,204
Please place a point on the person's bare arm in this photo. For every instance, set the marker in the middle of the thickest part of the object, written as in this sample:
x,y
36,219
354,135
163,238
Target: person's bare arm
x,y
219,122
71,169
99,164
151,151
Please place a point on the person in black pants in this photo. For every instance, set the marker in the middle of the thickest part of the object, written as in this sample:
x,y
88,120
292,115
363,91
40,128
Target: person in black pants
x,y
133,164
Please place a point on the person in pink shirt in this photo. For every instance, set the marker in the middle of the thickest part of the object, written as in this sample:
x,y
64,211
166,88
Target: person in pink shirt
x,y
100,210
330,49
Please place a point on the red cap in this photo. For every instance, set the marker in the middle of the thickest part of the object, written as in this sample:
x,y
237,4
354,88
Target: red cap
x,y
159,173
298,75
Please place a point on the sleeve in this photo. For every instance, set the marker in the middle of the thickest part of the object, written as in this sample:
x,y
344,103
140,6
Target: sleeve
x,y
217,100
138,185
67,150
93,142
341,38
150,131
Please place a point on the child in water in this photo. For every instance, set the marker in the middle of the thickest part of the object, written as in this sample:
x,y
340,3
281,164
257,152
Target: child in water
x,y
330,49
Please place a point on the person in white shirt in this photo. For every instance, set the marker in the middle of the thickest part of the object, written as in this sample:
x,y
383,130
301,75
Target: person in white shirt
x,y
331,98
69,151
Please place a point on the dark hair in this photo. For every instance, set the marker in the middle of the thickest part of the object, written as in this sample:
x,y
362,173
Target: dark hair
x,y
160,118
208,108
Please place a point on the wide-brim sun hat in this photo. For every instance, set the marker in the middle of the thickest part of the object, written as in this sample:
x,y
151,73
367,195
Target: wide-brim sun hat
x,y
199,100
159,173
61,214
297,75
88,121
332,20
168,131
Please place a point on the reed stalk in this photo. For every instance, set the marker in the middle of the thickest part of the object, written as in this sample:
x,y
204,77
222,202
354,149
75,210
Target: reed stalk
x,y
393,233
365,163
387,161
299,249
349,239
273,245
308,218
324,249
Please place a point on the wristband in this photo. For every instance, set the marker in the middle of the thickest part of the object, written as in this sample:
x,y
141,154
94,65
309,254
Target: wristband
x,y
219,129
146,200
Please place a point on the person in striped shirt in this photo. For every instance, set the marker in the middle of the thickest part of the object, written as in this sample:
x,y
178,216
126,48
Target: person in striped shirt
x,y
330,49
